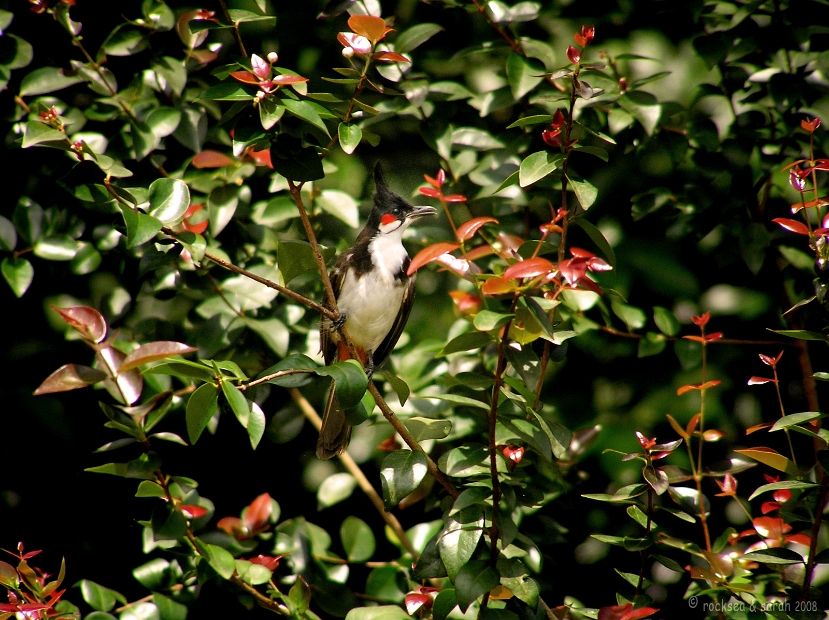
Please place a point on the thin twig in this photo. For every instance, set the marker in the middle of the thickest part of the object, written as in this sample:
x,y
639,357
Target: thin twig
x,y
311,414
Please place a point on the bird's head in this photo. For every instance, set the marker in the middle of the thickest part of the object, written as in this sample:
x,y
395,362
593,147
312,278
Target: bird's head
x,y
391,212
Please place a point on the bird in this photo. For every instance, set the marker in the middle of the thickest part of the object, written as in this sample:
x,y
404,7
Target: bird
x,y
374,297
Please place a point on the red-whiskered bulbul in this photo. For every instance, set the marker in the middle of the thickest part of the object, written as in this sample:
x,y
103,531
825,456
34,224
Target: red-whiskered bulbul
x,y
374,296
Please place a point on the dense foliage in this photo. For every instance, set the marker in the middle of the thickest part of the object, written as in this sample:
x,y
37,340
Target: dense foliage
x,y
605,404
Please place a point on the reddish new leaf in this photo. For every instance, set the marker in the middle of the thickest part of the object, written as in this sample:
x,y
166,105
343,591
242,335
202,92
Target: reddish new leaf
x,y
70,377
573,54
530,268
498,286
368,26
88,321
760,380
390,57
191,511
468,229
154,351
792,225
431,192
258,513
625,612
428,254
465,302
244,76
454,198
288,79
212,159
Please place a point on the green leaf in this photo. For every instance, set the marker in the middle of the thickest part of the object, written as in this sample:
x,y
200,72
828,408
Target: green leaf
x,y
149,488
458,400
38,133
140,227
665,321
468,341
538,165
401,473
169,199
341,205
634,318
201,406
18,273
585,191
412,37
334,489
651,344
536,119
270,112
56,247
221,560
293,161
473,580
801,334
141,468
168,609
256,425
460,537
46,80
793,419
238,403
486,320
523,75
358,539
399,386
428,428
350,381
783,484
778,555
307,112
98,597
8,235
379,612
296,361
349,136
597,237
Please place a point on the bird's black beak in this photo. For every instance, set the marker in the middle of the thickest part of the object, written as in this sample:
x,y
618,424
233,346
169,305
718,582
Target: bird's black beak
x,y
418,212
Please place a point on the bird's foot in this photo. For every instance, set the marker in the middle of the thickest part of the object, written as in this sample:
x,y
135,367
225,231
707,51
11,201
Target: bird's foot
x,y
369,367
339,321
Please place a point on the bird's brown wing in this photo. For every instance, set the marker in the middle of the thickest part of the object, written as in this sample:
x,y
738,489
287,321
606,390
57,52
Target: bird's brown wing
x,y
328,346
387,346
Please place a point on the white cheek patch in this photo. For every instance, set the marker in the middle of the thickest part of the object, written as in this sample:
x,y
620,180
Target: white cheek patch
x,y
391,226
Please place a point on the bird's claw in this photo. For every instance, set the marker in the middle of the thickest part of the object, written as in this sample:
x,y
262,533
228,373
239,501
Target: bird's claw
x,y
339,321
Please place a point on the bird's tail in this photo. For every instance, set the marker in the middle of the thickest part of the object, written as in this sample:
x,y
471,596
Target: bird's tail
x,y
335,432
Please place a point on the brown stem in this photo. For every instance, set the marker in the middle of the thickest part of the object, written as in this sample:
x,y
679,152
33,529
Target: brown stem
x,y
565,221
504,35
822,497
401,430
235,28
391,520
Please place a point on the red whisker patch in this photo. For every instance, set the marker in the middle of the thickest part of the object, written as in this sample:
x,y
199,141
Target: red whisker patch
x,y
387,219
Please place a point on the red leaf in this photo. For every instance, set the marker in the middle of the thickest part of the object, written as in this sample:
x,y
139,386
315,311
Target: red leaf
x,y
530,268
573,54
154,351
212,159
260,158
196,228
728,486
390,57
268,561
127,385
793,225
455,198
579,253
769,360
465,302
231,525
810,125
692,424
760,380
191,511
713,434
431,192
758,427
70,377
258,513
701,320
416,600
468,229
430,253
245,76
88,321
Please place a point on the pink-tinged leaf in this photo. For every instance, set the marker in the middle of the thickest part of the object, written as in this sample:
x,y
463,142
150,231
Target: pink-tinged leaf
x,y
598,264
390,57
808,204
713,434
573,54
768,360
126,386
430,253
154,351
288,79
573,270
792,225
416,600
800,539
261,68
714,336
212,159
760,380
204,56
70,377
455,198
468,229
728,486
579,253
461,266
191,511
498,286
530,268
258,513
268,561
245,76
88,321
431,192
625,612
810,125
